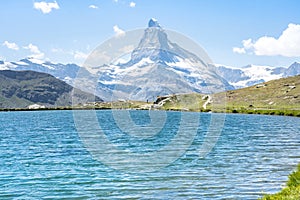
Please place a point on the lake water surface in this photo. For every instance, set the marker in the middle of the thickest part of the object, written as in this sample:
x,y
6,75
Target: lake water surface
x,y
42,156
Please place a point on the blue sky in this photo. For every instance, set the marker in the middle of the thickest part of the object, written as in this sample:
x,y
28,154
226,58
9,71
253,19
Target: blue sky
x,y
232,32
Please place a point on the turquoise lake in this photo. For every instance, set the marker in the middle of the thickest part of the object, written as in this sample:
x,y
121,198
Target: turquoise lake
x,y
42,156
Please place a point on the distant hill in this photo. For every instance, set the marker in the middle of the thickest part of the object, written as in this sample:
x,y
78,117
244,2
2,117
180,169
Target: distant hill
x,y
19,89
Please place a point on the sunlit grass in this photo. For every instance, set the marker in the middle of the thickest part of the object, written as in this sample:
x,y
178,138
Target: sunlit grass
x,y
291,191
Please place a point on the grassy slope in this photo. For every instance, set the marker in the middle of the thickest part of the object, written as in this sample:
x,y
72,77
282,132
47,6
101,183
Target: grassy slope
x,y
191,102
279,97
281,94
291,191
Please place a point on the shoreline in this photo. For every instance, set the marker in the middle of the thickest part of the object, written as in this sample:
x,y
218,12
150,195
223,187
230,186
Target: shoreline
x,y
275,112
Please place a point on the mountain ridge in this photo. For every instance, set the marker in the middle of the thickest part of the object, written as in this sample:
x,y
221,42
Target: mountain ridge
x,y
235,76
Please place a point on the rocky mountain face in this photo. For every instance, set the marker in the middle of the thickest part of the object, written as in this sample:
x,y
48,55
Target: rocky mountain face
x,y
19,89
293,70
158,67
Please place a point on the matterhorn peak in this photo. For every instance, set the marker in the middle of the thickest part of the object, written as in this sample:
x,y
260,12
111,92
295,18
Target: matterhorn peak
x,y
153,23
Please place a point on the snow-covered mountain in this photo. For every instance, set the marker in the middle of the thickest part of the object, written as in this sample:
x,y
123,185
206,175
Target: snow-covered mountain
x,y
254,74
65,72
109,81
158,66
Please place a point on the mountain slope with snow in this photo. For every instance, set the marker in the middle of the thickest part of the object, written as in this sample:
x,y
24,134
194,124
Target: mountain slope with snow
x,y
254,74
158,67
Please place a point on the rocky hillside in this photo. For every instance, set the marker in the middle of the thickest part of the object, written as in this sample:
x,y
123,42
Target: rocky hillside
x,y
19,89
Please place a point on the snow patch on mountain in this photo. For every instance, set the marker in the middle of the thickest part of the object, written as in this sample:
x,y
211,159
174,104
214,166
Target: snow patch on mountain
x,y
7,66
20,63
260,72
35,61
113,74
255,74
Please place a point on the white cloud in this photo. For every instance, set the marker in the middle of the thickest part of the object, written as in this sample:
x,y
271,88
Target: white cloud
x,y
132,4
93,6
11,45
288,44
119,32
78,55
36,53
247,43
45,7
238,50
34,49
